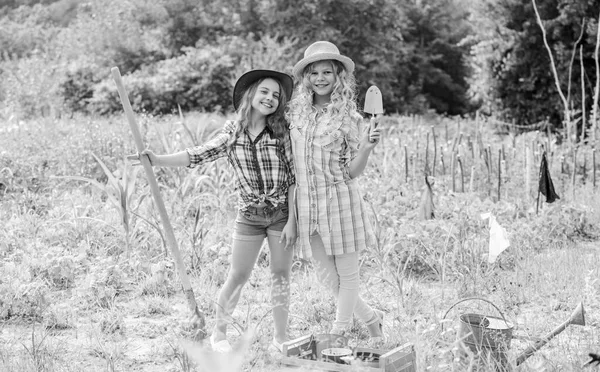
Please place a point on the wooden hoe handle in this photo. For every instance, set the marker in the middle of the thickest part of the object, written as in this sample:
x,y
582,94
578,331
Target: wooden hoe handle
x,y
169,234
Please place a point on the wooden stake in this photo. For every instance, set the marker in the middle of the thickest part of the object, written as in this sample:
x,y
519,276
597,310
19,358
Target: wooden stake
x,y
442,161
427,154
471,182
405,164
573,174
584,175
597,86
488,152
582,92
462,177
499,172
452,170
594,168
414,169
472,149
527,171
434,150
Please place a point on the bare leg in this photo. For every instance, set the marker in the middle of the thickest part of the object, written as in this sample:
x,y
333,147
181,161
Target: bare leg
x,y
281,263
243,258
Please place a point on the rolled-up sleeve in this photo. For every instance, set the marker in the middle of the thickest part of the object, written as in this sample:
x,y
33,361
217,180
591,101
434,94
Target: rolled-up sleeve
x,y
289,157
353,127
212,150
353,137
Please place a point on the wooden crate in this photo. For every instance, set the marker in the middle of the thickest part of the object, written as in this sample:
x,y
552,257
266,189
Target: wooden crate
x,y
302,352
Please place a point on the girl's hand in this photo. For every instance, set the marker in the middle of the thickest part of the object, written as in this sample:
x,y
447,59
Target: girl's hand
x,y
136,158
229,126
289,235
372,135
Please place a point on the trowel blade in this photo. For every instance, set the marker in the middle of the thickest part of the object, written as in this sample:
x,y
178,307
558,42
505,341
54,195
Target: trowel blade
x,y
373,101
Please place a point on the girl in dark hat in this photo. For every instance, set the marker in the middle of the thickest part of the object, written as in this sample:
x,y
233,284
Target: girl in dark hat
x,y
258,147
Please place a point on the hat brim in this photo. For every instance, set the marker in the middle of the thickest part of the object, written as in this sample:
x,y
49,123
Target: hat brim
x,y
299,67
248,78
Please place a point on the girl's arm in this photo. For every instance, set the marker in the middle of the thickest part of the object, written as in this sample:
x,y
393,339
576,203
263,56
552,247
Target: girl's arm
x,y
290,232
212,150
369,140
178,159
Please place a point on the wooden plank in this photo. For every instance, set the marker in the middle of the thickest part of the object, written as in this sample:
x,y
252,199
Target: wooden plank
x,y
325,366
297,346
400,359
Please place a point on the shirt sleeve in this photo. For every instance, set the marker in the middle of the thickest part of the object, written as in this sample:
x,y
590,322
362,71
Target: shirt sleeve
x,y
212,150
289,157
352,138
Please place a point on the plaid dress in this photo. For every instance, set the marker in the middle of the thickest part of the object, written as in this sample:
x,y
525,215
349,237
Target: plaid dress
x,y
328,200
264,170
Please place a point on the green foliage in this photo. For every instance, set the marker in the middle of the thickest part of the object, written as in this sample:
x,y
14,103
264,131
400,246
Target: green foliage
x,y
78,89
201,79
188,52
120,193
513,64
23,299
58,271
195,80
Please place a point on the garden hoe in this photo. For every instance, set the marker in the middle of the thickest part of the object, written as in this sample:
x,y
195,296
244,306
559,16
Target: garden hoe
x,y
373,104
198,322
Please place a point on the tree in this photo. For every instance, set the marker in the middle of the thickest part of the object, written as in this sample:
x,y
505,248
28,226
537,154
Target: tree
x,y
514,65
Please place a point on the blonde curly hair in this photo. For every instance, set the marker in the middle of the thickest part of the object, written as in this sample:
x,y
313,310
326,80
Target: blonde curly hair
x,y
343,97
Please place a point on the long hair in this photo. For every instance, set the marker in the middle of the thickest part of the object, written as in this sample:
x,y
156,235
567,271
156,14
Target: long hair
x,y
343,97
276,121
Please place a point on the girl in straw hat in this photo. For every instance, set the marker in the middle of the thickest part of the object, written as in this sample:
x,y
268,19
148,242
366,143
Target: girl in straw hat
x,y
330,152
258,147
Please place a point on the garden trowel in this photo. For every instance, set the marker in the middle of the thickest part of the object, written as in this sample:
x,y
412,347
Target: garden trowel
x,y
373,104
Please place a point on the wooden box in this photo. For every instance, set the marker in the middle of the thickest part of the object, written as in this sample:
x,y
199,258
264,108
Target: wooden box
x,y
302,352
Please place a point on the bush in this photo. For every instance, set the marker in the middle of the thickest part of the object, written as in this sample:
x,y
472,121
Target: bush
x,y
24,301
201,79
78,89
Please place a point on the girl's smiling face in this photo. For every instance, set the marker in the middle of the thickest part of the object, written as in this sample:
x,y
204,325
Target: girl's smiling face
x,y
266,98
322,78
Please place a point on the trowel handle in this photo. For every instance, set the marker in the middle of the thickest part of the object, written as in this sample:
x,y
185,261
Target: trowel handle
x,y
372,125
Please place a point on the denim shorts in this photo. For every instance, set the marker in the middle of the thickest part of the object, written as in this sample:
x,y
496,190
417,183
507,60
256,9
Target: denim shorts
x,y
255,224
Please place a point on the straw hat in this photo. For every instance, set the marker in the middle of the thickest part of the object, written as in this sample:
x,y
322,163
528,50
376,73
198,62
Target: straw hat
x,y
249,77
320,51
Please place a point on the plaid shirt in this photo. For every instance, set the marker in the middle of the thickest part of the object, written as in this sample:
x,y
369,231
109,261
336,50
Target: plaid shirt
x,y
264,170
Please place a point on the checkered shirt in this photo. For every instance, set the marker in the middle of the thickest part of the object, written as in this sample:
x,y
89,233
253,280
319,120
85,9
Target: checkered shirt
x,y
328,200
264,170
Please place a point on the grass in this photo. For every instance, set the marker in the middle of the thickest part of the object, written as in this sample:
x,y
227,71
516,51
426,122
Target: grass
x,y
86,282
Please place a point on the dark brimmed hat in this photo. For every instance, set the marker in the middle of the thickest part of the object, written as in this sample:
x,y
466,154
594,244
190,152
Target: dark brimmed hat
x,y
320,51
286,81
